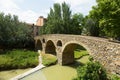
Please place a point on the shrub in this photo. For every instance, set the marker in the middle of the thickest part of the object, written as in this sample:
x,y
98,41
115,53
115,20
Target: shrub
x,y
48,59
18,59
91,71
91,58
113,77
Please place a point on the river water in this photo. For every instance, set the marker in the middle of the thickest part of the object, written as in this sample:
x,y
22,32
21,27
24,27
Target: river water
x,y
56,72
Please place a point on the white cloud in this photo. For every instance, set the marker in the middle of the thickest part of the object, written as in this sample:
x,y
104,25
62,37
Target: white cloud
x,y
83,6
9,6
30,16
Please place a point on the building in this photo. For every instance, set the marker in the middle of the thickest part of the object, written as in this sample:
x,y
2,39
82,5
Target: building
x,y
41,21
36,27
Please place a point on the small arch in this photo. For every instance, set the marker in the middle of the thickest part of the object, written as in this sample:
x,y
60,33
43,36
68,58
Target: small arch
x,y
39,45
68,51
43,40
50,47
59,43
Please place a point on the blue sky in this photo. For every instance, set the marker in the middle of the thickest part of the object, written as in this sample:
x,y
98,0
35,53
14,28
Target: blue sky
x,y
29,10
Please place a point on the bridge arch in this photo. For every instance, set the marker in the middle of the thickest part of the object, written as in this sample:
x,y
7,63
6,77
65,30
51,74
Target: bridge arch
x,y
107,53
39,45
43,40
68,51
59,43
50,47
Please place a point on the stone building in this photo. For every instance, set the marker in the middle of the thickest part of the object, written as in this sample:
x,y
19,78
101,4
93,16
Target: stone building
x,y
41,21
36,27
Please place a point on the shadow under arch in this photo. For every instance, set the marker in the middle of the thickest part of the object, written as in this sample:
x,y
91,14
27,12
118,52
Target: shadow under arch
x,y
50,47
59,43
68,51
39,45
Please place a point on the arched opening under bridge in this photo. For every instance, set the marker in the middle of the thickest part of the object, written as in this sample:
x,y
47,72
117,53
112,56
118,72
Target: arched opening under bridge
x,y
38,45
73,52
50,48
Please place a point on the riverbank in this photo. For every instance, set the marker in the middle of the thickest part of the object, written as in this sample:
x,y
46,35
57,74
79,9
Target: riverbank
x,y
6,75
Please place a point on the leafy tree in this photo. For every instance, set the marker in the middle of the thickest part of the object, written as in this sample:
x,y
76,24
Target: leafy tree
x,y
66,18
107,14
90,28
14,33
77,23
54,22
59,20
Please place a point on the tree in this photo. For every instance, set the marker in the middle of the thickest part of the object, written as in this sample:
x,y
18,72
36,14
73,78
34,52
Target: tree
x,y
90,27
59,20
107,15
14,33
77,23
66,18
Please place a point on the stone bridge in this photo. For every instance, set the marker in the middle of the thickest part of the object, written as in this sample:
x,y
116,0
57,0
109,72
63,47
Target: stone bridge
x,y
107,53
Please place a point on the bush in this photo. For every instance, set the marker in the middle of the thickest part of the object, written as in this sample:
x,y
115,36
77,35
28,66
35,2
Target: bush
x,y
113,77
91,58
91,71
48,59
18,59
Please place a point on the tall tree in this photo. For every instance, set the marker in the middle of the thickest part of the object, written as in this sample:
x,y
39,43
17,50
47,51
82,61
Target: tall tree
x,y
66,16
90,27
59,19
107,13
77,23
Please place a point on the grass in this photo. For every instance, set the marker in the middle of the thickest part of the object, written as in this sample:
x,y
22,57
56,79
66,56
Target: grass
x,y
48,59
79,54
18,59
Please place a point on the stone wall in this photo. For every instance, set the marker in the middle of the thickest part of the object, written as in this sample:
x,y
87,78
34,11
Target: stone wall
x,y
107,53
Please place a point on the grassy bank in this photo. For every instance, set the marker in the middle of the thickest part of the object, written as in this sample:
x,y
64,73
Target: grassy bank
x,y
79,54
48,59
17,59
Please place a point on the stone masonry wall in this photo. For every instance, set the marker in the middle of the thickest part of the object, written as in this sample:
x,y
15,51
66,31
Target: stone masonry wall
x,y
107,53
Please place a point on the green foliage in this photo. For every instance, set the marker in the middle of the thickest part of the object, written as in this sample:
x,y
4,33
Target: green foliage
x,y
77,23
18,59
91,71
107,15
14,33
79,54
60,21
90,28
91,58
48,59
113,77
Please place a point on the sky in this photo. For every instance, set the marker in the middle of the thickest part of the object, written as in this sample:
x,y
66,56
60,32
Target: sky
x,y
29,10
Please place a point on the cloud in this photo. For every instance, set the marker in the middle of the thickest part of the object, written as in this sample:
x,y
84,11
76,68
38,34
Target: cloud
x,y
82,6
10,6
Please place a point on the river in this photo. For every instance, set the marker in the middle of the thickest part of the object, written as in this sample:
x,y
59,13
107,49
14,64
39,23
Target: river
x,y
56,72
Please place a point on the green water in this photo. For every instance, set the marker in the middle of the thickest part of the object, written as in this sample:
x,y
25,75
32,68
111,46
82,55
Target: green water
x,y
57,72
38,75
